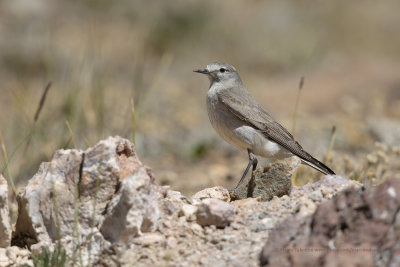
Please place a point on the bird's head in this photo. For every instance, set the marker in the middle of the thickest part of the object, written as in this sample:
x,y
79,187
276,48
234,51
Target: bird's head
x,y
220,72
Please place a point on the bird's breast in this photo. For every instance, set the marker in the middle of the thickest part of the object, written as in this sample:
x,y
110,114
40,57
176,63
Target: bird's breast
x,y
225,123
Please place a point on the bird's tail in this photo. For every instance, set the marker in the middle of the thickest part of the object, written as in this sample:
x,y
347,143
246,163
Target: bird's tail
x,y
318,165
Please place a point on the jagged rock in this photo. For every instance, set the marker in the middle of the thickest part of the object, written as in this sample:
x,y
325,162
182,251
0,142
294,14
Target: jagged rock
x,y
355,228
88,200
172,202
274,180
5,229
217,192
133,210
104,207
216,212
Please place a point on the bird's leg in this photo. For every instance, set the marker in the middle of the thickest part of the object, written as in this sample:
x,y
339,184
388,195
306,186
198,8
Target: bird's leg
x,y
252,161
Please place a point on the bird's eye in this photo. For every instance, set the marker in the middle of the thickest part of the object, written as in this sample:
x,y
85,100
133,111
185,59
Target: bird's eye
x,y
222,70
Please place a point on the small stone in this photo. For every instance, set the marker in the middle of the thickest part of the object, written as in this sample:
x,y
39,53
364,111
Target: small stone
x,y
129,256
4,261
259,228
246,202
227,238
217,192
172,242
326,192
167,224
316,196
196,228
268,222
11,253
306,207
149,239
188,211
169,207
215,212
182,221
236,226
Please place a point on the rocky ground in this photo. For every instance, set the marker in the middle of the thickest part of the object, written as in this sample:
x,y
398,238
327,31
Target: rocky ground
x,y
104,208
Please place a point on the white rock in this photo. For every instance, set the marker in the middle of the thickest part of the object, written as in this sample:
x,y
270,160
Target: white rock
x,y
268,223
133,210
116,200
188,211
306,207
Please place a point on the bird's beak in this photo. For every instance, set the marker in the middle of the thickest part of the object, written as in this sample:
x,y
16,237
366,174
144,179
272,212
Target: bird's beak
x,y
204,71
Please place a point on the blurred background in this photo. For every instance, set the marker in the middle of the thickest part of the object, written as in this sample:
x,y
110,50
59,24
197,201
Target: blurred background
x,y
101,54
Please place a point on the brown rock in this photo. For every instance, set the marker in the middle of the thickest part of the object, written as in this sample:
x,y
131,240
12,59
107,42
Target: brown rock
x,y
274,180
355,228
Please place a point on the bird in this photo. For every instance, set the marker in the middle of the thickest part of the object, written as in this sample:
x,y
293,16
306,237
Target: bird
x,y
241,121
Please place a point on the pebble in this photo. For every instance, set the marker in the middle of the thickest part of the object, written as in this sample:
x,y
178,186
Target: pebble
x,y
215,212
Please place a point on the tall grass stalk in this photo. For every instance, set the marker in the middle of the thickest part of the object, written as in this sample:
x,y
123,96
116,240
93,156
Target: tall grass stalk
x,y
296,107
330,146
5,156
36,117
133,121
41,103
71,133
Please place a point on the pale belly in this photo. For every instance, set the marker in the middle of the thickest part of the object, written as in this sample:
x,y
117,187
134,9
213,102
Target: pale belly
x,y
242,136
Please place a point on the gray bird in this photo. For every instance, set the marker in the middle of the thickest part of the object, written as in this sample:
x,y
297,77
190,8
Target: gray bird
x,y
242,122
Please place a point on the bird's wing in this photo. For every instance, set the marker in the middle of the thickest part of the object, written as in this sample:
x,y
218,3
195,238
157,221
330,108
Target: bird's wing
x,y
242,105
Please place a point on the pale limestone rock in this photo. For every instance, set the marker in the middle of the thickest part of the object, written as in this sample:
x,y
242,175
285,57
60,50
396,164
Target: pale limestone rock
x,y
133,210
88,200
